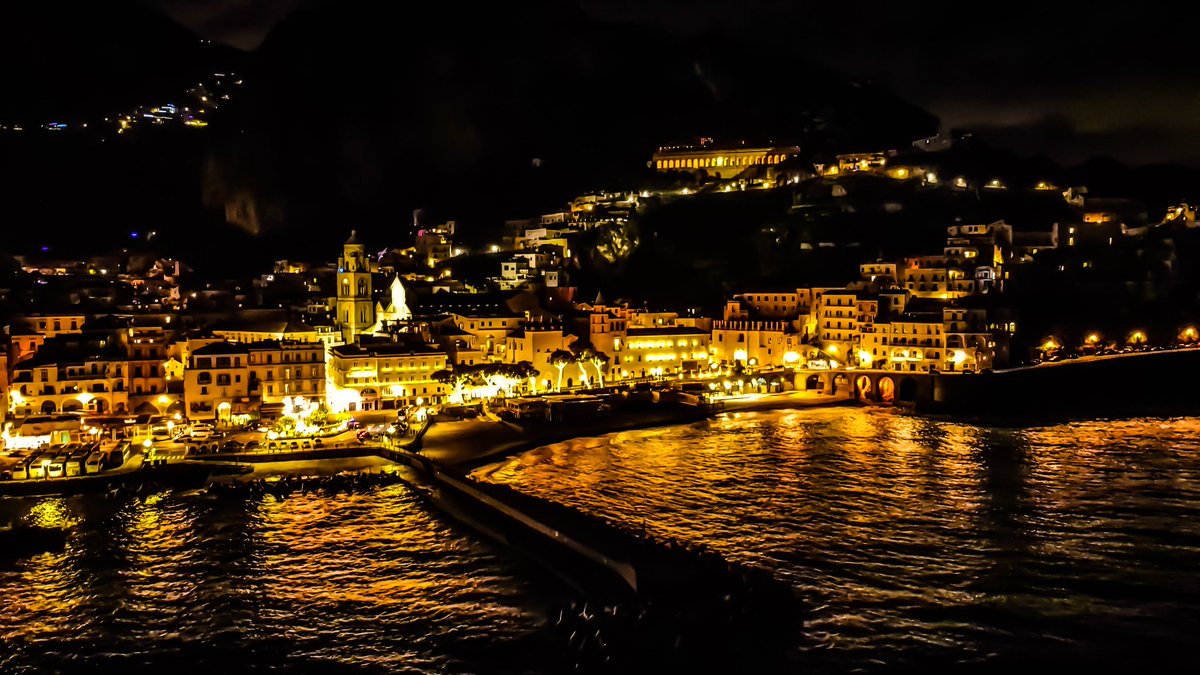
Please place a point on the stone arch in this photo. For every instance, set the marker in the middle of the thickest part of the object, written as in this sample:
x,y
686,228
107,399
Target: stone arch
x,y
812,382
907,391
98,405
886,389
146,408
839,382
48,406
176,407
863,388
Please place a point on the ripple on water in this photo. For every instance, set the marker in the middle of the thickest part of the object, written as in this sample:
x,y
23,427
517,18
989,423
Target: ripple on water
x,y
920,541
367,579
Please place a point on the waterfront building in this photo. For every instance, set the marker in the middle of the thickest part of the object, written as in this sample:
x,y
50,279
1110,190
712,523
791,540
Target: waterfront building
x,y
282,369
837,322
72,372
384,374
605,328
217,383
756,343
535,342
664,351
146,350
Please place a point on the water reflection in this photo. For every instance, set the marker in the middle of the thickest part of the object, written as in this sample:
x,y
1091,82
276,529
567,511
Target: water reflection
x,y
924,542
369,579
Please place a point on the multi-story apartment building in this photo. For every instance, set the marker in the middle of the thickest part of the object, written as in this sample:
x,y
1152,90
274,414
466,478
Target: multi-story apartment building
x,y
146,350
756,343
535,342
663,351
72,375
378,375
217,383
281,369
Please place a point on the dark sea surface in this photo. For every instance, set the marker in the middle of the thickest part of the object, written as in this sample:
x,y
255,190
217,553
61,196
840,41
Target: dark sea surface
x,y
917,545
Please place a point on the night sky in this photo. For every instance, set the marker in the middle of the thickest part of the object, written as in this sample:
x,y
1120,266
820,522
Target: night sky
x,y
1068,79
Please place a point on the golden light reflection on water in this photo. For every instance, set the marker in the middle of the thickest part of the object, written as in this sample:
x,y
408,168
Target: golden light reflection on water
x,y
368,578
908,530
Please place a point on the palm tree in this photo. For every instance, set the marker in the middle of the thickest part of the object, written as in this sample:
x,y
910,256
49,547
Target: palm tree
x,y
561,358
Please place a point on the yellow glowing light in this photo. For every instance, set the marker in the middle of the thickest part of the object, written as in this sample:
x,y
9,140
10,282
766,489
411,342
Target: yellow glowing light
x,y
1093,338
791,357
1137,337
958,357
864,358
832,349
1050,344
163,400
739,355
84,398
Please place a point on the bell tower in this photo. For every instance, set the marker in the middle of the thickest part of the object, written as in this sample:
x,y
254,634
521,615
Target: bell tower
x,y
355,309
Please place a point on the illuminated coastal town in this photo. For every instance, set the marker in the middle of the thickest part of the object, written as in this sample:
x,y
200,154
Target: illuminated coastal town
x,y
593,337
139,342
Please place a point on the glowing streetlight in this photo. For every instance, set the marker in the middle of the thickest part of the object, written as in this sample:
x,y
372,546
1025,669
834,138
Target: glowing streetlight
x,y
1136,338
1092,339
864,358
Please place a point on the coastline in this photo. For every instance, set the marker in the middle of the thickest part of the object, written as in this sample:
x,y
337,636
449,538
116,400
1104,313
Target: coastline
x,y
462,446
469,445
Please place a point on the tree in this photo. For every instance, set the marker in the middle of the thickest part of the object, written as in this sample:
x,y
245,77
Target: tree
x,y
561,358
599,361
524,370
457,377
583,355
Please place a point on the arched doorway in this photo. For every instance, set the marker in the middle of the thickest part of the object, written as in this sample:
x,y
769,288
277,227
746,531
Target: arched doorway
x,y
813,382
146,408
175,408
839,382
370,399
69,405
887,389
98,405
863,388
907,391
224,411
48,407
